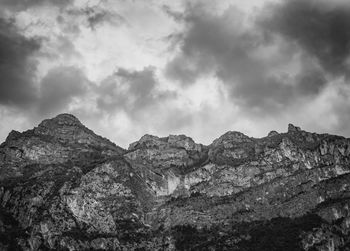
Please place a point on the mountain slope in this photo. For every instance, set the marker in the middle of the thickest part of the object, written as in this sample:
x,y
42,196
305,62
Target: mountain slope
x,y
62,187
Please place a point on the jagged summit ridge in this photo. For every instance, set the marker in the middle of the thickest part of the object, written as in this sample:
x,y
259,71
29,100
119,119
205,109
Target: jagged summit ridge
x,y
62,187
61,139
272,133
67,128
171,140
61,119
293,128
65,123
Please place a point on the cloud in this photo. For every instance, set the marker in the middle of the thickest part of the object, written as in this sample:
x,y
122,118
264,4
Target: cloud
x,y
202,50
96,15
17,66
338,103
131,91
66,48
59,87
68,26
264,67
253,63
176,15
321,28
22,5
19,84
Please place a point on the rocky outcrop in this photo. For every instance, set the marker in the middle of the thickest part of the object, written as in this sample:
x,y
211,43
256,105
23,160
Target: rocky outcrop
x,y
164,162
58,140
62,187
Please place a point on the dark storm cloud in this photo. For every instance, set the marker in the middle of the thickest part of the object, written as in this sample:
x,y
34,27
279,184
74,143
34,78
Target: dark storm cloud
x,y
207,43
21,5
19,86
96,15
310,82
59,87
17,66
322,29
131,91
222,45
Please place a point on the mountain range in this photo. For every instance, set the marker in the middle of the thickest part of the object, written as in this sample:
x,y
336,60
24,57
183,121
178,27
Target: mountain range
x,y
62,187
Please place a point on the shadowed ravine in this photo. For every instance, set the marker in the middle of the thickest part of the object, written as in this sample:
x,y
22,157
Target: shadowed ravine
x,y
62,187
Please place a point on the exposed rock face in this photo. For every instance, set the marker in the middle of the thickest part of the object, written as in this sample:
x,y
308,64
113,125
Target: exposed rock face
x,y
58,140
62,187
163,162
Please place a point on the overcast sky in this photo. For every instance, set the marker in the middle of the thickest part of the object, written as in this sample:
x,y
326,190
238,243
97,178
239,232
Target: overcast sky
x,y
130,67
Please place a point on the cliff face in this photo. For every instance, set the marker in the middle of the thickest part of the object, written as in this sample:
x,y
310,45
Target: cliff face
x,y
62,187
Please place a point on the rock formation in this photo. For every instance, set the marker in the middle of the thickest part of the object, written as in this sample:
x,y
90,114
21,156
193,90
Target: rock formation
x,y
62,187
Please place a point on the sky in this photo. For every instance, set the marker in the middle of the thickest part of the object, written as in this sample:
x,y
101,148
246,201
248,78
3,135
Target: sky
x,y
201,68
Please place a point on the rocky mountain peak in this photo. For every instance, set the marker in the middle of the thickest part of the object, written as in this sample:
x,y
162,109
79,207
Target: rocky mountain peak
x,y
67,121
272,133
66,128
175,152
182,141
61,139
13,135
231,137
292,128
63,119
150,141
147,141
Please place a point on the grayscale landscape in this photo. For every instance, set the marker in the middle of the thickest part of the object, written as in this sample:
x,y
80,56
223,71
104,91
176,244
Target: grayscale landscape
x,y
175,125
